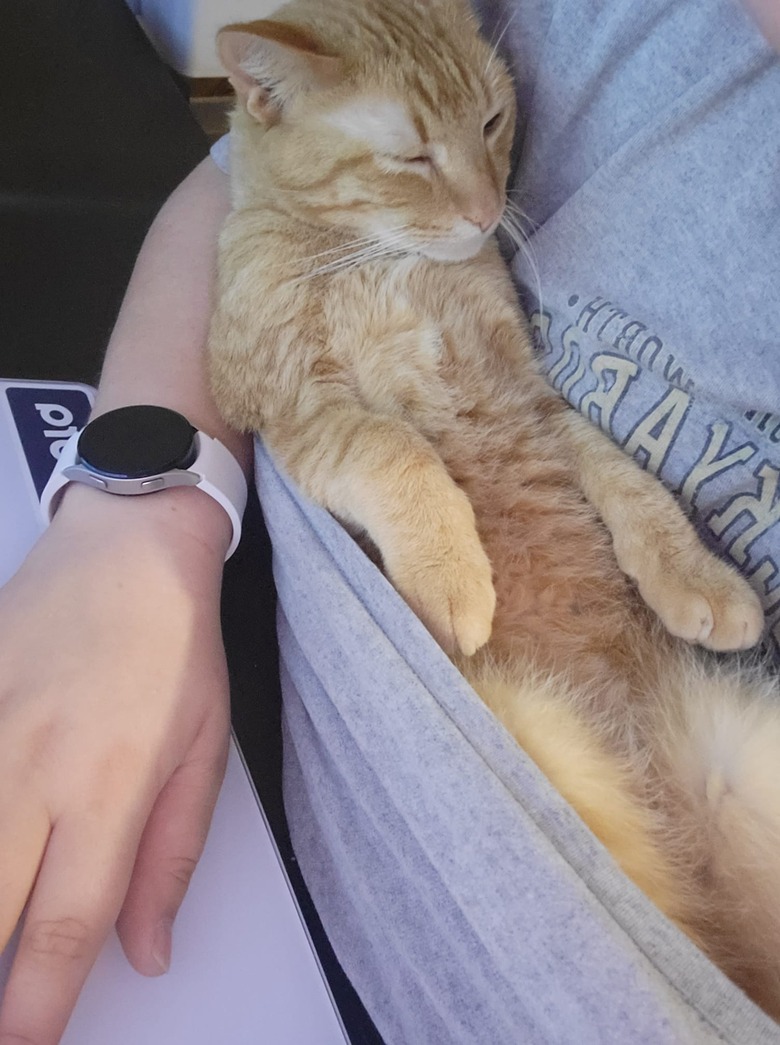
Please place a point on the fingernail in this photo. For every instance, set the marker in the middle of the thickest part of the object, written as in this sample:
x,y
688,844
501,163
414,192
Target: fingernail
x,y
161,945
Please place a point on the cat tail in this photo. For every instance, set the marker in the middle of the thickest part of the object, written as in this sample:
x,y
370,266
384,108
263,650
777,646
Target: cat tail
x,y
603,788
722,741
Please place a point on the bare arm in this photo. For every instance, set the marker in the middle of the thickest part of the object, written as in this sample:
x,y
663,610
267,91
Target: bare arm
x,y
113,745
155,354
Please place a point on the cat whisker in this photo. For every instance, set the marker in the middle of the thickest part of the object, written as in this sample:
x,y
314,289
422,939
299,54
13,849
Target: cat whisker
x,y
496,25
359,242
520,197
358,257
376,249
510,223
388,244
497,44
521,218
517,237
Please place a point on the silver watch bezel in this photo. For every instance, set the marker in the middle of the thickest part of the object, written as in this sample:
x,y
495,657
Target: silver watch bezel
x,y
214,470
126,487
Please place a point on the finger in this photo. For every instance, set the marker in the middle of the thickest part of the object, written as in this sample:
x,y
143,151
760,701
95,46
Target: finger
x,y
77,895
26,832
170,848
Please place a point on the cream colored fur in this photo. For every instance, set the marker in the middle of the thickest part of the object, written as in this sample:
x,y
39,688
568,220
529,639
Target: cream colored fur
x,y
366,325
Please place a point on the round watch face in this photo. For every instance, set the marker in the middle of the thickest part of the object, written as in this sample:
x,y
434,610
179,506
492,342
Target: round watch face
x,y
135,441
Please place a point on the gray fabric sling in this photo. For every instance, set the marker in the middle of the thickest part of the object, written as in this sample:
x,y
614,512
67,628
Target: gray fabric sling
x,y
466,901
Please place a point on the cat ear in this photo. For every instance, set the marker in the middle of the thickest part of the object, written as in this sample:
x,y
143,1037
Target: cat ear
x,y
268,63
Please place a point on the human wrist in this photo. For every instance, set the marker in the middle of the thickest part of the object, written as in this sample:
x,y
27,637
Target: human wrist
x,y
137,450
183,520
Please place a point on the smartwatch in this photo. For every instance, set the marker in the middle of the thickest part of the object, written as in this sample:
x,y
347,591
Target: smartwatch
x,y
142,449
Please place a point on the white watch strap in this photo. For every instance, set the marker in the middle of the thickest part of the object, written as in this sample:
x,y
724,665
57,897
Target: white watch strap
x,y
57,480
217,471
221,477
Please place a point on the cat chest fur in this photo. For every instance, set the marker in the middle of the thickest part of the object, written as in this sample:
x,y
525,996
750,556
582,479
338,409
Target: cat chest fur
x,y
424,341
436,346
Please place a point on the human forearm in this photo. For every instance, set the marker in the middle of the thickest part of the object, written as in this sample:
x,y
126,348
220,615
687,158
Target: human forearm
x,y
132,695
156,352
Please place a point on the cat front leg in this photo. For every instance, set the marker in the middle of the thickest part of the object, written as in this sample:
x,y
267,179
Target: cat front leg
x,y
698,597
373,471
378,473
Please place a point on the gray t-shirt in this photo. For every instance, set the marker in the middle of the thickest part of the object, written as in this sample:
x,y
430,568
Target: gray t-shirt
x,y
650,174
467,903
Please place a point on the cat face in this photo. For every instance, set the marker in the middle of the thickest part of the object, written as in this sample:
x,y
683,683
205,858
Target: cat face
x,y
391,121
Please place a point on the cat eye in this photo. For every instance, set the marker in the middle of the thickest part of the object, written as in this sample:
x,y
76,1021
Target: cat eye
x,y
396,164
420,162
492,123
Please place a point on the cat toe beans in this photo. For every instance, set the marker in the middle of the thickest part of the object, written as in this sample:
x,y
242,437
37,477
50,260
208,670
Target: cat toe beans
x,y
471,614
706,602
739,625
454,598
688,615
737,619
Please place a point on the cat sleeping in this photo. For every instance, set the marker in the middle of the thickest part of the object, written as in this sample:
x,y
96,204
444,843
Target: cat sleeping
x,y
366,325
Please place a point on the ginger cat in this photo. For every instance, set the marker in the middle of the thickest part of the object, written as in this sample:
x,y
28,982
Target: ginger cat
x,y
367,327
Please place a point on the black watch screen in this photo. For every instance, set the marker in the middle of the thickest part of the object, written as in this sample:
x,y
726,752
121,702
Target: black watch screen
x,y
136,441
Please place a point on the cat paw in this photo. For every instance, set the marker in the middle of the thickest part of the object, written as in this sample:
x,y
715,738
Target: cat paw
x,y
453,596
705,601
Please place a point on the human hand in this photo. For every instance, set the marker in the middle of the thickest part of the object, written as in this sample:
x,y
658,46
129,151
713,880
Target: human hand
x,y
114,725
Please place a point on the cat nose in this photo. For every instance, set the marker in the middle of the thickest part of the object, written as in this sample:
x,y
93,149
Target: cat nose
x,y
482,212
